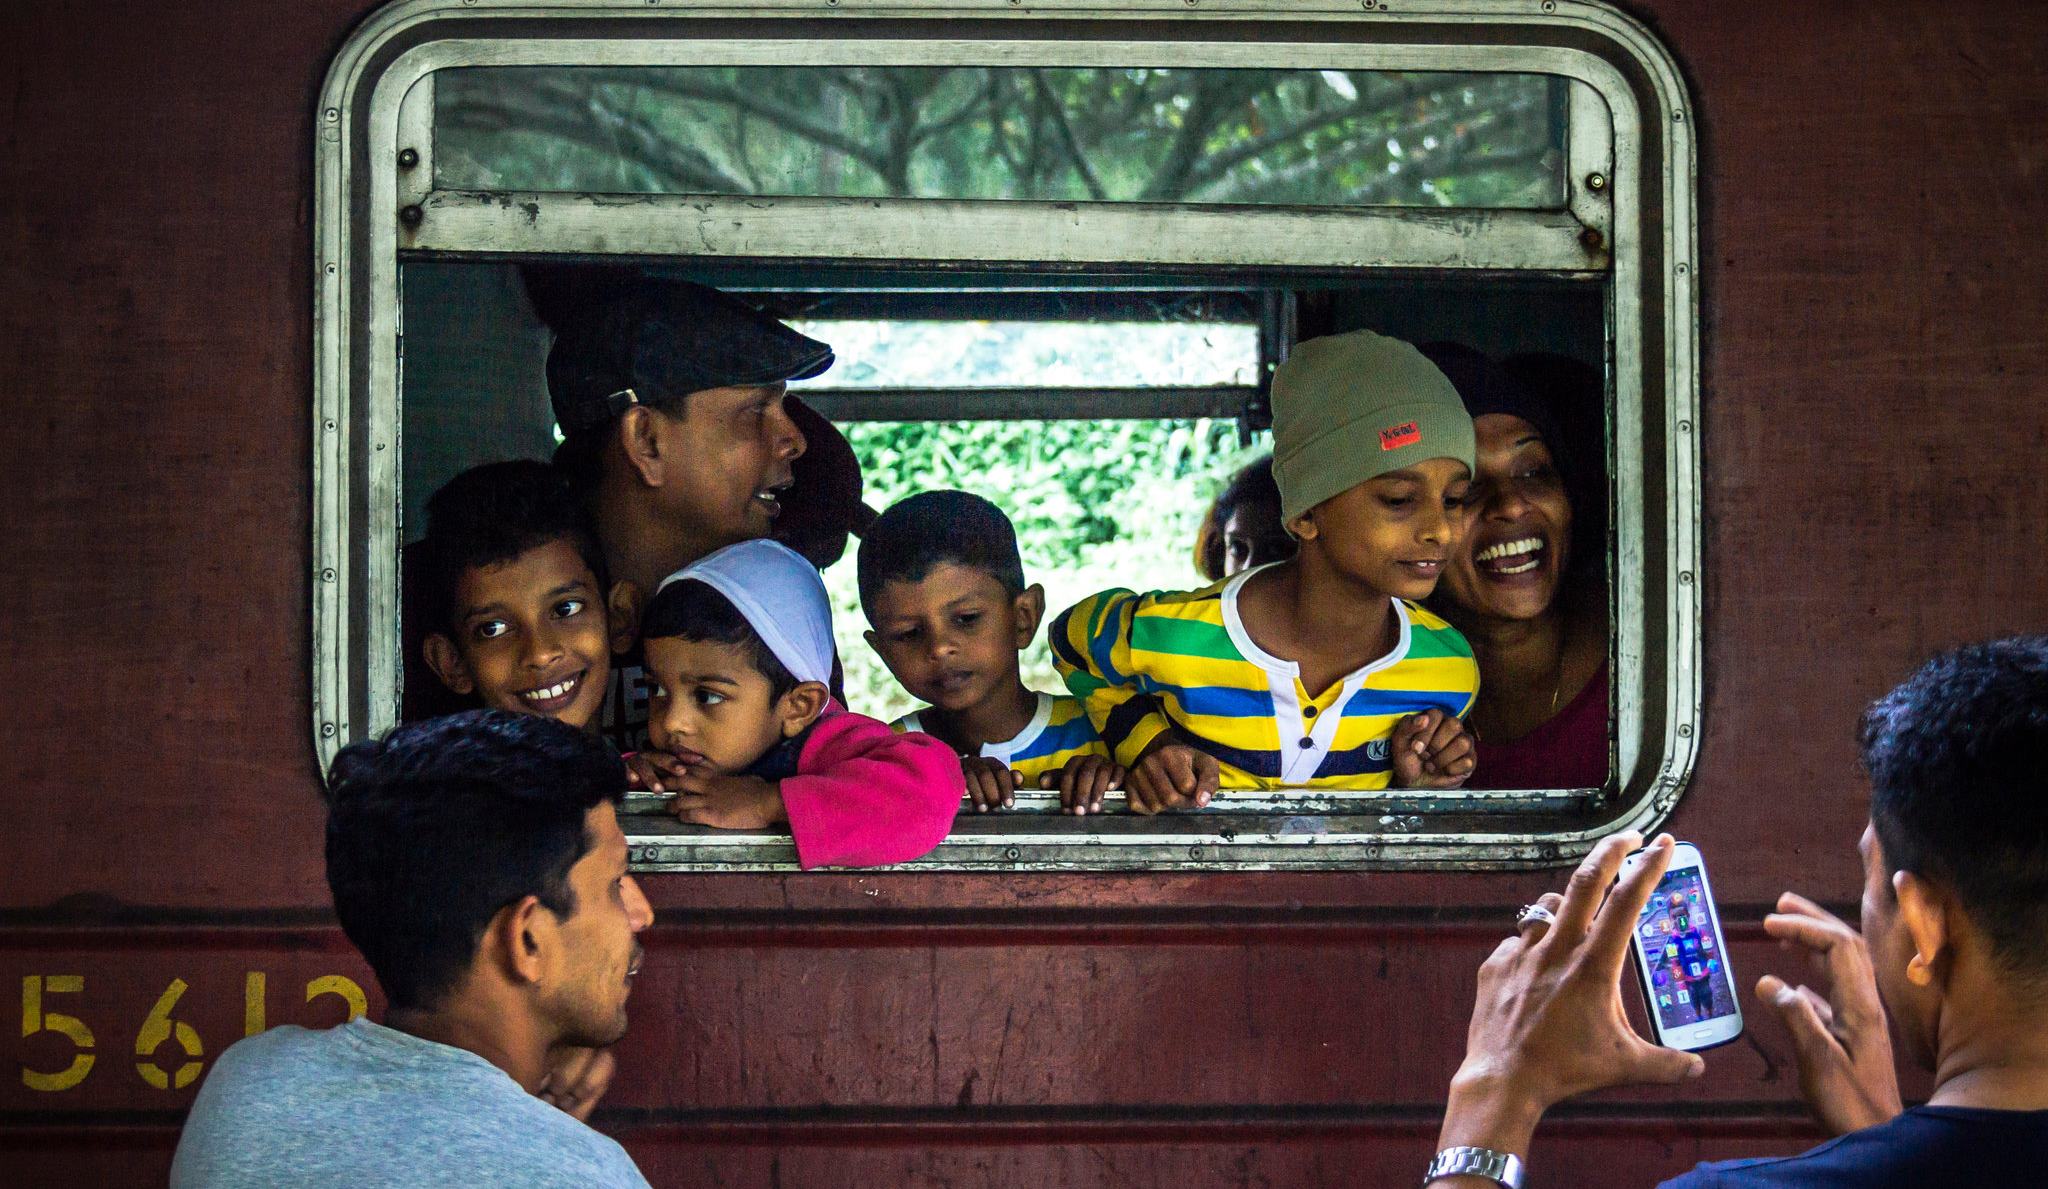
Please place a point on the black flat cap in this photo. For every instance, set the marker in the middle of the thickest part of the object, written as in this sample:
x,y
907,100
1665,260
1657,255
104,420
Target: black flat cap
x,y
661,341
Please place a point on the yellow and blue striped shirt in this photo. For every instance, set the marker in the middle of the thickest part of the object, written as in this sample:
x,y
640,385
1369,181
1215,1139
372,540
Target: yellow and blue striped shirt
x,y
1147,663
1058,732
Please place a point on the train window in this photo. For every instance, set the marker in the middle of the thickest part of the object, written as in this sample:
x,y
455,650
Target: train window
x,y
1094,134
1060,256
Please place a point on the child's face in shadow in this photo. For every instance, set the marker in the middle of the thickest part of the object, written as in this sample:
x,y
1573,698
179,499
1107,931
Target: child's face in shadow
x,y
1252,536
952,638
712,709
1394,532
531,635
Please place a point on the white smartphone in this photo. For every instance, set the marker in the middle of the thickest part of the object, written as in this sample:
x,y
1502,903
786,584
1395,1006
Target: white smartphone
x,y
1682,958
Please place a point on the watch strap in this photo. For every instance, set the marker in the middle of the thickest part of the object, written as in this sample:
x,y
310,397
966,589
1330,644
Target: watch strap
x,y
1503,1168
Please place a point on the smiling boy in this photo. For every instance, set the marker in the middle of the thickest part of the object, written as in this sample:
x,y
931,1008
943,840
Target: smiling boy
x,y
1319,671
942,583
521,618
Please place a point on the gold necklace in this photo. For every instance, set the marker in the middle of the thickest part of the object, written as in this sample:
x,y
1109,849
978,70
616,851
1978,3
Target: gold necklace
x,y
1563,650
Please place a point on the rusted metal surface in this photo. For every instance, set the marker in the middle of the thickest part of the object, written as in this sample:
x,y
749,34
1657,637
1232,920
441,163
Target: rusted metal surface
x,y
1875,364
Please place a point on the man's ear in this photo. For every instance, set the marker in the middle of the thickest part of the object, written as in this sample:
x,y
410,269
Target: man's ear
x,y
1028,609
639,435
520,940
446,661
800,707
1926,912
1303,526
622,609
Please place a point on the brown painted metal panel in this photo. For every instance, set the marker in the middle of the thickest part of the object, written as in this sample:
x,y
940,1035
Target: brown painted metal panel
x,y
1872,422
1006,1032
155,472
1578,1152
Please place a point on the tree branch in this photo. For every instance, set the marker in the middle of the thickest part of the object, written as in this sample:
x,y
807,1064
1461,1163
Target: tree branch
x,y
782,116
582,119
1418,164
924,132
1212,96
1216,165
1067,139
1275,187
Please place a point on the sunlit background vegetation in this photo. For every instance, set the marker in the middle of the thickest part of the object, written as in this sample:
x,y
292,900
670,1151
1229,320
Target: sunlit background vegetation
x,y
1095,503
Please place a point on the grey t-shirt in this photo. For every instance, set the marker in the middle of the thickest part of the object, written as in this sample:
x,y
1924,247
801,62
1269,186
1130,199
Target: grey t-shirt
x,y
365,1105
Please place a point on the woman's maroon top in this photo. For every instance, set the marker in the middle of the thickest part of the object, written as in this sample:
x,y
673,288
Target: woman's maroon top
x,y
1568,752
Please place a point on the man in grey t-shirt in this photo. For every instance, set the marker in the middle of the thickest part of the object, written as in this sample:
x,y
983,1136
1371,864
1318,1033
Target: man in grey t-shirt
x,y
477,863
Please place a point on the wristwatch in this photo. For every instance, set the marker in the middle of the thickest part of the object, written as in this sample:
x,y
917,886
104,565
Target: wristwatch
x,y
1501,1167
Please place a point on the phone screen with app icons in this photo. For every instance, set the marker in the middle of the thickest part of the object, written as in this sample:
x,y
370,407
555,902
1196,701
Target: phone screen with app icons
x,y
1685,967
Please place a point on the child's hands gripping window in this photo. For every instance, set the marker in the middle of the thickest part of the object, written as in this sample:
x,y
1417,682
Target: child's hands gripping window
x,y
729,802
991,783
1083,781
1172,775
1432,750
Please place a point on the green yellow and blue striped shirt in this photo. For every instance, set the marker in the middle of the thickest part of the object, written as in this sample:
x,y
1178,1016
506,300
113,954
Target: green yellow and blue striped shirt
x,y
1058,732
1147,663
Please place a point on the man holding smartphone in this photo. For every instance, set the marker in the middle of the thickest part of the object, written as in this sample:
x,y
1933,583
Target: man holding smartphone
x,y
1954,943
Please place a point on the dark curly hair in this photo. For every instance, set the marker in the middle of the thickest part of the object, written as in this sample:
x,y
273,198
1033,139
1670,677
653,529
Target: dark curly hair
x,y
1253,492
434,828
1958,791
936,528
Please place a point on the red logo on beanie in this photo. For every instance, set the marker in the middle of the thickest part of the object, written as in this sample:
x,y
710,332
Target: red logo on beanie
x,y
1396,436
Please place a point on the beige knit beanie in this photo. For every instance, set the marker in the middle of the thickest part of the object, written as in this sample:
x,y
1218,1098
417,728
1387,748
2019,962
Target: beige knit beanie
x,y
1349,407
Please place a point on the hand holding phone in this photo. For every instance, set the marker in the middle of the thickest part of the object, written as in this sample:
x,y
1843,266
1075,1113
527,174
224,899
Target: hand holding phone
x,y
1682,958
1547,1022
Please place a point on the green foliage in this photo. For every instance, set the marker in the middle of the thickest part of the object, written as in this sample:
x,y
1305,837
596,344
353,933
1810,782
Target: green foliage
x,y
1150,134
1096,504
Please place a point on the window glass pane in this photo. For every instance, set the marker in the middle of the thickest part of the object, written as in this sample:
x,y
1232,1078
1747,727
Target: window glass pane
x,y
977,354
1130,134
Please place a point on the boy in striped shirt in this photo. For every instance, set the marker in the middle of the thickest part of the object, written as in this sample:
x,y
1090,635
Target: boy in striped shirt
x,y
942,585
1321,671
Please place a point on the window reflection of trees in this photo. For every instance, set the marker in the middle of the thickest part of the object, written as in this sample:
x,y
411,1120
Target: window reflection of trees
x,y
1320,137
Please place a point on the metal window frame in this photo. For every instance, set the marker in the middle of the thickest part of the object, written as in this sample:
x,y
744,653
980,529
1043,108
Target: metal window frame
x,y
1636,226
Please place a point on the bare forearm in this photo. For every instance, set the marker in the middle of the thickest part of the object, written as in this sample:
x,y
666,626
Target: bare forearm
x,y
1484,1113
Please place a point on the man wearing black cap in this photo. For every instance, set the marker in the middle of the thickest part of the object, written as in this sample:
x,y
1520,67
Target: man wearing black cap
x,y
670,397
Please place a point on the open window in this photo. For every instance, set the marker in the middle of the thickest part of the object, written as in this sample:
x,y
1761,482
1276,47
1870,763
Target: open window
x,y
1060,256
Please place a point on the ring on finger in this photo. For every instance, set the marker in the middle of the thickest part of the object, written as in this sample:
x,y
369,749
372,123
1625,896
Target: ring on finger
x,y
1531,913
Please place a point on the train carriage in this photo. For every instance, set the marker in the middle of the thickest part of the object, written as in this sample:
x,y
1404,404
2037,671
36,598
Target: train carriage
x,y
278,271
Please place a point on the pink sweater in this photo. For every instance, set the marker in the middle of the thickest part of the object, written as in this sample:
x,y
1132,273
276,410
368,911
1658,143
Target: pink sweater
x,y
866,796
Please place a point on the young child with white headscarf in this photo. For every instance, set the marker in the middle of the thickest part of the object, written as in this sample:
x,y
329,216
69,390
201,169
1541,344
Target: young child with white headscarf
x,y
739,650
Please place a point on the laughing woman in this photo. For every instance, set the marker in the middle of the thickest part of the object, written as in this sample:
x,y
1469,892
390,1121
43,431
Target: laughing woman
x,y
1535,612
